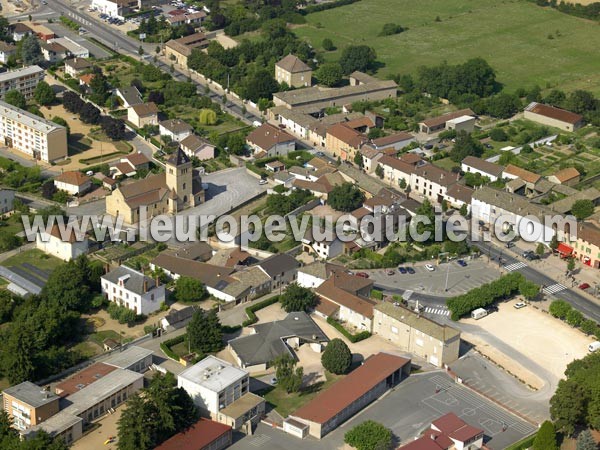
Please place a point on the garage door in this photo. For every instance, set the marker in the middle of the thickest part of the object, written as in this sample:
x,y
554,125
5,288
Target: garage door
x,y
434,360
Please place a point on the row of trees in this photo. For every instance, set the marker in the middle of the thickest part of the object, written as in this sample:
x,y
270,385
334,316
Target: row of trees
x,y
564,311
113,128
502,288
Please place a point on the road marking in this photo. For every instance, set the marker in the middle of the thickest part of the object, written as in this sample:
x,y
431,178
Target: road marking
x,y
439,311
515,266
260,440
554,288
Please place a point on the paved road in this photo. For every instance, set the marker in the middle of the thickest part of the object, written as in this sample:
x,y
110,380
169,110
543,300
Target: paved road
x,y
26,162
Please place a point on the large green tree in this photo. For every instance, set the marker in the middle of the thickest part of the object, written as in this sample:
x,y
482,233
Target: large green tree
x,y
44,94
188,289
289,377
346,197
15,98
31,52
297,298
585,441
204,332
337,357
357,57
369,435
329,74
582,209
464,146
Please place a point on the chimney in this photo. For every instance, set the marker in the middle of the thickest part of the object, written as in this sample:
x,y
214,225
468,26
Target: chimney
x,y
145,285
157,281
432,436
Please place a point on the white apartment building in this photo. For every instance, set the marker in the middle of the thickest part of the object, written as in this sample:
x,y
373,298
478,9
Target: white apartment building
x,y
30,134
133,290
23,80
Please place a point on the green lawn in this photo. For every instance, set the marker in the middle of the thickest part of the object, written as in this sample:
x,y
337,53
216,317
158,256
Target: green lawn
x,y
99,336
12,225
34,257
285,404
512,35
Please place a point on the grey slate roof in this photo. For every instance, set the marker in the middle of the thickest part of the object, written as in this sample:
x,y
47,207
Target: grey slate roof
x,y
31,394
135,282
268,341
278,263
178,158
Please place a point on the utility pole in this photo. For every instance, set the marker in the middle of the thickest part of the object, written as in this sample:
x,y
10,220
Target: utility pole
x,y
447,275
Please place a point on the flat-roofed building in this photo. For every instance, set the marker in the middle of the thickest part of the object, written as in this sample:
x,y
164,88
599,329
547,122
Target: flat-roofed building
x,y
332,407
23,80
30,134
134,358
82,379
28,404
439,123
222,392
438,344
62,425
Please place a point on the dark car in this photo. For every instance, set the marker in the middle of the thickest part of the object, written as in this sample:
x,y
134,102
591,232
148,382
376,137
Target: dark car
x,y
410,270
462,263
532,257
510,244
527,253
428,146
492,308
402,270
362,274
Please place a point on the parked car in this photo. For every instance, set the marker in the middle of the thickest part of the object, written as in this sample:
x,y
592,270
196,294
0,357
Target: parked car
x,y
532,256
429,267
492,308
410,270
584,286
274,380
362,274
390,272
462,263
527,253
402,269
520,305
262,181
510,244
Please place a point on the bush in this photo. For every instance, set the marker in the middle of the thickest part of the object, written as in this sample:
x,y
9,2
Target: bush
x,y
369,435
498,135
337,357
378,295
166,346
354,338
559,309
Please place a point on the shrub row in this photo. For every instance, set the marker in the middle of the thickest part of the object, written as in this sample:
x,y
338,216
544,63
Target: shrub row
x,y
485,295
354,338
226,329
564,311
325,6
250,310
166,346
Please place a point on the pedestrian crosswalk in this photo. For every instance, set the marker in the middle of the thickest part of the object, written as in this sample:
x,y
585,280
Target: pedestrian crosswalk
x,y
439,311
554,288
515,266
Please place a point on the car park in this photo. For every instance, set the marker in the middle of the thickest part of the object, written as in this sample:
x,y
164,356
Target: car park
x,y
520,305
429,267
402,269
461,262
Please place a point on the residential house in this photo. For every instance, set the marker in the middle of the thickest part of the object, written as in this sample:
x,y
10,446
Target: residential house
x,y
6,51
472,164
335,405
143,114
66,247
73,182
115,8
440,123
129,165
19,31
528,179
175,129
73,48
28,404
129,96
178,318
85,80
203,435
53,52
256,352
76,66
270,140
586,248
324,248
438,344
314,274
322,186
196,147
23,80
179,187
186,18
397,169
282,269
40,30
275,166
357,78
553,117
396,141
222,392
458,195
345,298
133,290
449,432
293,71
345,139
7,201
568,176
179,50
432,182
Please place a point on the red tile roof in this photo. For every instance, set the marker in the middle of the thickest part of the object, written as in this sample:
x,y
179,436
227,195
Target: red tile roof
x,y
554,113
523,174
392,139
342,394
347,135
440,120
197,437
566,174
73,177
456,428
266,136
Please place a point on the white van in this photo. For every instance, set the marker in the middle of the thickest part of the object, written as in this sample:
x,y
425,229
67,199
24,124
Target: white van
x,y
478,313
594,346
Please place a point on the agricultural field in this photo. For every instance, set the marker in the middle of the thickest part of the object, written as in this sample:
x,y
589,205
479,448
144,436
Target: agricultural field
x,y
512,35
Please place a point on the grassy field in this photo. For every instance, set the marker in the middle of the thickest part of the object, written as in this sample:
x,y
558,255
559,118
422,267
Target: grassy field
x,y
512,35
34,257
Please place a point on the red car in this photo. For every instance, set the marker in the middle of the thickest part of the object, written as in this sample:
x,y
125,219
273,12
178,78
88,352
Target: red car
x,y
584,286
362,274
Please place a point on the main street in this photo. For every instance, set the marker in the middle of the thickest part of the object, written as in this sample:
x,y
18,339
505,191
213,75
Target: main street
x,y
120,42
